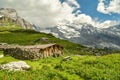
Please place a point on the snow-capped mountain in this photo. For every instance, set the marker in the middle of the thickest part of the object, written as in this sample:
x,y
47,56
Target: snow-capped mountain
x,y
88,35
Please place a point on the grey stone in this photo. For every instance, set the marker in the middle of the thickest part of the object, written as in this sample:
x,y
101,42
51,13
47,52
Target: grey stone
x,y
67,58
15,66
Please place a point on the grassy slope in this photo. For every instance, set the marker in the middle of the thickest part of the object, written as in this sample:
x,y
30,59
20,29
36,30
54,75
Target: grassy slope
x,y
1,52
30,37
9,26
79,68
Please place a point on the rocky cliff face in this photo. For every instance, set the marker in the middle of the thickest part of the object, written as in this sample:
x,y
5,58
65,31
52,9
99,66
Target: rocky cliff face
x,y
8,14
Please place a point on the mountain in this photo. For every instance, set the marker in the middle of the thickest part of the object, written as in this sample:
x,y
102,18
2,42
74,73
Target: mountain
x,y
10,15
88,35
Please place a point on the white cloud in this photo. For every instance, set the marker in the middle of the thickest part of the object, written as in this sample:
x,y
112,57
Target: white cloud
x,y
47,13
83,18
106,24
42,12
112,7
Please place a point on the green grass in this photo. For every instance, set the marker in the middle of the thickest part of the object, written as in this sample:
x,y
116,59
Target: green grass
x,y
7,59
9,26
1,52
79,68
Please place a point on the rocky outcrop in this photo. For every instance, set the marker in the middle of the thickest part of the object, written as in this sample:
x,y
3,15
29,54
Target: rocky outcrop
x,y
16,66
10,15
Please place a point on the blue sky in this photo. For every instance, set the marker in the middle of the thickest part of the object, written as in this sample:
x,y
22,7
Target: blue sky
x,y
89,7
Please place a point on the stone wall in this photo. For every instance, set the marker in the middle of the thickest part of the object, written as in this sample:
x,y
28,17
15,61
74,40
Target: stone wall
x,y
31,52
24,54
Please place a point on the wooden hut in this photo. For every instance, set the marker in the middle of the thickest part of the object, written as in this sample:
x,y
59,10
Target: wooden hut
x,y
46,50
35,52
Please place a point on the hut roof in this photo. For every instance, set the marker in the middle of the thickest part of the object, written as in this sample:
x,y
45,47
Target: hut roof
x,y
42,46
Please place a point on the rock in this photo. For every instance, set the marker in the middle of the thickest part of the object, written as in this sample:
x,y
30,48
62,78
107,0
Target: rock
x,y
43,39
67,58
3,44
15,66
8,14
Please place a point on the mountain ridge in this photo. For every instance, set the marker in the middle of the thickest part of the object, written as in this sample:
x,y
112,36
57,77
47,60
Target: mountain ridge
x,y
11,15
89,35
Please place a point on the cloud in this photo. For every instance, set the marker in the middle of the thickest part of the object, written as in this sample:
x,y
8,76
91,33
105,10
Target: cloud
x,y
48,13
105,24
83,18
112,7
42,12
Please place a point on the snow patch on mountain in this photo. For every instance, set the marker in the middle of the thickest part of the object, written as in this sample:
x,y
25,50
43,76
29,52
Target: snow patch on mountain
x,y
88,35
68,32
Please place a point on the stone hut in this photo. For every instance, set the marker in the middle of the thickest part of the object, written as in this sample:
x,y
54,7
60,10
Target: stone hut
x,y
35,52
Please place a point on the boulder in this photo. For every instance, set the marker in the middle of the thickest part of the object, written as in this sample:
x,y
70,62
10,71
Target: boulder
x,y
15,66
67,58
